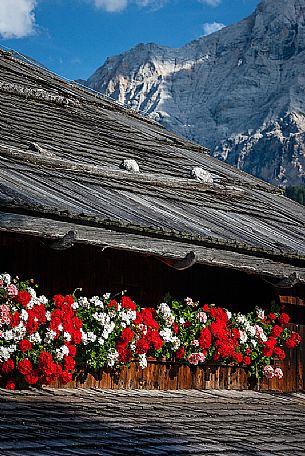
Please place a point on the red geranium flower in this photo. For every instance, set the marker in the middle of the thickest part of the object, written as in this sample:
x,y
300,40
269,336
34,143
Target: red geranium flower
x,y
277,331
8,366
126,336
10,384
124,355
142,346
72,350
279,353
247,360
155,339
66,377
23,298
175,328
25,367
15,319
267,351
180,353
293,340
32,378
127,303
238,357
205,338
69,362
58,300
25,345
113,303
69,300
284,319
45,360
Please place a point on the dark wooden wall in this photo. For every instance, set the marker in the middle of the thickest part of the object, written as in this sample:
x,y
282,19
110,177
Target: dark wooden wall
x,y
145,278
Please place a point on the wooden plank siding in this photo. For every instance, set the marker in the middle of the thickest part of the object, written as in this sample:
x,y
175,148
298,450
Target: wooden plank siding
x,y
167,375
171,375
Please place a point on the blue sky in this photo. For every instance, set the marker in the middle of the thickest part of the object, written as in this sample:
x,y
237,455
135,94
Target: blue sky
x,y
74,37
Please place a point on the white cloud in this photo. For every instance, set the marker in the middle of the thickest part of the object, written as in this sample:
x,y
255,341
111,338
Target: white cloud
x,y
154,4
211,2
212,27
111,6
115,6
17,18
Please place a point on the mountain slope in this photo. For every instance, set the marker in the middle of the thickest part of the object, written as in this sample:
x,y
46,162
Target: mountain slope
x,y
239,91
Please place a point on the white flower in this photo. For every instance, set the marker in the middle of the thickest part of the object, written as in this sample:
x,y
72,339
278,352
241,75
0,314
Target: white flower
x,y
142,361
106,296
166,311
19,332
8,335
4,354
35,338
83,302
60,327
263,337
166,334
6,278
95,300
202,316
84,337
176,342
260,313
48,315
243,337
251,330
67,336
128,316
61,352
241,319
229,314
101,341
112,357
181,320
50,336
43,300
75,305
24,315
65,350
253,342
91,337
32,292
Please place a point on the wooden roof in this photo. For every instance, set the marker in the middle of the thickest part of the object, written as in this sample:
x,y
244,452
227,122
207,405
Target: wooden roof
x,y
61,147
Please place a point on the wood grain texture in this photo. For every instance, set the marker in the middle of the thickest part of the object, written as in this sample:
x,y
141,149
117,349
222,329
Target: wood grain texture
x,y
74,171
173,249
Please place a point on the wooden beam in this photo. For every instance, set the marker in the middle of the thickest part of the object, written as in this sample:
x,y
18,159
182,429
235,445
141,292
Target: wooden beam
x,y
163,248
188,261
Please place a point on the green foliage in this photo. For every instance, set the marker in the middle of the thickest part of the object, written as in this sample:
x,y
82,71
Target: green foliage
x,y
296,193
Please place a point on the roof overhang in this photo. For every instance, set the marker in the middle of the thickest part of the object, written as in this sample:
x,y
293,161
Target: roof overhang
x,y
48,229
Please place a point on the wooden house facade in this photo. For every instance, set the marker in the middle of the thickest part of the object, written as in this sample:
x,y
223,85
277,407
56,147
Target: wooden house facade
x,y
93,195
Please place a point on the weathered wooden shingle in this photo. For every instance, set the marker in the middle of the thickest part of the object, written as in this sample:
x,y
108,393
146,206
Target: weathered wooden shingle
x,y
61,148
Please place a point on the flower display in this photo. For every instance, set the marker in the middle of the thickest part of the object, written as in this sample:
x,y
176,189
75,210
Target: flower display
x,y
36,335
43,340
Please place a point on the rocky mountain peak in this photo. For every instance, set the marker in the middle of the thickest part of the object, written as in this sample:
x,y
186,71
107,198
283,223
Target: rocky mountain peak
x,y
239,91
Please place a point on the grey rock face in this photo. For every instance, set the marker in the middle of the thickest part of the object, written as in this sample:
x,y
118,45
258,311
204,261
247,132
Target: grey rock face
x,y
239,91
